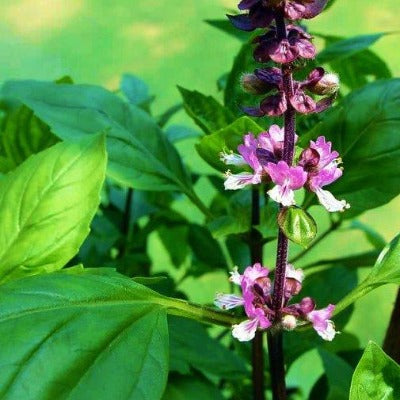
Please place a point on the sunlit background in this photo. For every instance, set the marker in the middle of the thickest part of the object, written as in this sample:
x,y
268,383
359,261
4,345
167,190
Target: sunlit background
x,y
166,42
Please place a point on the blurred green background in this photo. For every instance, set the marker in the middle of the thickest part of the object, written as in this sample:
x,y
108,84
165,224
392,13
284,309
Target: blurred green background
x,y
166,43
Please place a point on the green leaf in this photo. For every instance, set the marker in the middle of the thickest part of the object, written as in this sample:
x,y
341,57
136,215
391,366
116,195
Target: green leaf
x,y
176,133
338,373
359,67
191,388
226,139
385,271
23,135
81,336
205,111
136,91
347,47
139,154
46,206
373,237
364,130
192,347
225,25
297,225
377,376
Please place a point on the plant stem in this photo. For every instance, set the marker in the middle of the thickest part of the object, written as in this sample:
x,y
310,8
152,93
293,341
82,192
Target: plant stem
x,y
332,228
277,370
126,222
256,255
275,340
391,345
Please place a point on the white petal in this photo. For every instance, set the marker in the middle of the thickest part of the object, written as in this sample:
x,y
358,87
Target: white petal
x,y
328,333
246,330
228,301
232,159
294,273
328,200
282,195
239,181
235,276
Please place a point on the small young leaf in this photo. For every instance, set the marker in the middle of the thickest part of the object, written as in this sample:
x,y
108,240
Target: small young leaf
x,y
347,47
297,225
225,25
81,336
136,91
377,376
226,139
46,206
206,112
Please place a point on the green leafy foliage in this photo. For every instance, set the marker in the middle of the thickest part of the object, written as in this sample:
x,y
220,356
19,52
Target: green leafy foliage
x,y
226,139
353,60
386,270
62,334
345,48
297,225
184,388
377,376
46,206
192,347
363,130
339,375
75,111
23,134
205,111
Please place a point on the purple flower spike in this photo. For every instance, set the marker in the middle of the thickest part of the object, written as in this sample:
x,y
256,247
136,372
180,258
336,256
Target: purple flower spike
x,y
247,4
322,167
287,179
259,16
274,105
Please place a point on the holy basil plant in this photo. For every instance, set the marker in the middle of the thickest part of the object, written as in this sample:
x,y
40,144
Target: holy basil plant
x,y
120,228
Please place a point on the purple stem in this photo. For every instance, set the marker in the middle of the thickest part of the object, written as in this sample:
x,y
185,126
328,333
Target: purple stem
x,y
275,340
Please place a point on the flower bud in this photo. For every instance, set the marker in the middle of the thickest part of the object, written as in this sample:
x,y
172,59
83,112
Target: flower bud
x,y
329,84
289,322
252,84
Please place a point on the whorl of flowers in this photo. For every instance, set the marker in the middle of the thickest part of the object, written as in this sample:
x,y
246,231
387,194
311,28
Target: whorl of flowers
x,y
268,157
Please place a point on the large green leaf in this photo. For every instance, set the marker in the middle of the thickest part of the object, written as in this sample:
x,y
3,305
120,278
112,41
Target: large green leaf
x,y
364,129
226,139
23,135
46,206
139,154
206,112
192,347
81,336
377,376
386,270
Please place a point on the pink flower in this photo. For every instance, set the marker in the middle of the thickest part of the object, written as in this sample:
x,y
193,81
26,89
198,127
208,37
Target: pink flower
x,y
321,322
322,167
256,287
287,179
255,153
